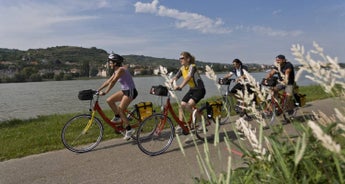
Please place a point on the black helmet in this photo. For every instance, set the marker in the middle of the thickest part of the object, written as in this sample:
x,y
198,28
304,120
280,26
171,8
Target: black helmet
x,y
115,57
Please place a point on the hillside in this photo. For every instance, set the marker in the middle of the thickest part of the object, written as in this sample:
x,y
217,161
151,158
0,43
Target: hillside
x,y
68,62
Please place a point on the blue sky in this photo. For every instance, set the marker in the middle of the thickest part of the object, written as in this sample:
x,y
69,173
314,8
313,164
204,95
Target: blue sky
x,y
254,31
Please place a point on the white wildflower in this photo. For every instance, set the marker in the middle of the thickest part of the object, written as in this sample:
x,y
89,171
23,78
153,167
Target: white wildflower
x,y
210,73
325,139
244,127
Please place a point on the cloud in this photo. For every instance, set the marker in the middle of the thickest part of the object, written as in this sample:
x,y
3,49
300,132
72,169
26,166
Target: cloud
x,y
184,20
276,12
272,32
36,17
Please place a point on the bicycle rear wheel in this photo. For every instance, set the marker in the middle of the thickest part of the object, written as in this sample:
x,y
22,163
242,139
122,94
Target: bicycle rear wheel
x,y
155,134
205,127
79,137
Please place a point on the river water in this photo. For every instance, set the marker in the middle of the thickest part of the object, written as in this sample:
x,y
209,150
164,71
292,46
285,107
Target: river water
x,y
29,100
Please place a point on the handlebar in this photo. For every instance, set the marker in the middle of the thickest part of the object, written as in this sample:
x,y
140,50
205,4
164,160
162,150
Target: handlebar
x,y
225,81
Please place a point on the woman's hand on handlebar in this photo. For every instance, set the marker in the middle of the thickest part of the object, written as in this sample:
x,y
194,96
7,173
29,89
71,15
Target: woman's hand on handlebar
x,y
101,93
177,88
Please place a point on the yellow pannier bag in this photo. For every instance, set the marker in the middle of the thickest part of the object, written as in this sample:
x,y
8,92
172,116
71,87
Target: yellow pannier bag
x,y
214,109
144,109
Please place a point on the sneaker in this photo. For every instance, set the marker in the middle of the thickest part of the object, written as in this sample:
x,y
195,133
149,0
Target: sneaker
x,y
178,129
116,120
128,134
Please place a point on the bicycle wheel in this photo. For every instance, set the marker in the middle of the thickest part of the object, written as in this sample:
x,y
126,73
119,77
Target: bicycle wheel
x,y
78,137
205,127
155,134
269,112
227,107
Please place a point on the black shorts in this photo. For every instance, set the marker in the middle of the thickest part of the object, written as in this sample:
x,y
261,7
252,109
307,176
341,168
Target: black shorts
x,y
131,93
195,94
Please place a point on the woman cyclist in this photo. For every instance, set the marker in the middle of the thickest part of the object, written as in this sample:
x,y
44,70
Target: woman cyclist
x,y
125,96
192,78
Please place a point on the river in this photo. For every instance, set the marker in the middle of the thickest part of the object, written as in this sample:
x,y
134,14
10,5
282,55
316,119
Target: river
x,y
31,99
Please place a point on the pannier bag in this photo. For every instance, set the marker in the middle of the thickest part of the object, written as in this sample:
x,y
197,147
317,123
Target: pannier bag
x,y
300,99
224,81
159,90
144,109
273,81
214,109
86,94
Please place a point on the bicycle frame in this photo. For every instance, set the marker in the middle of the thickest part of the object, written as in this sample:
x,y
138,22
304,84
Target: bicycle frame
x,y
116,126
168,108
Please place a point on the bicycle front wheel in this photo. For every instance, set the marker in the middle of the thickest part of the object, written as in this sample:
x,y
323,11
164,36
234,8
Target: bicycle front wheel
x,y
227,107
205,127
155,134
79,135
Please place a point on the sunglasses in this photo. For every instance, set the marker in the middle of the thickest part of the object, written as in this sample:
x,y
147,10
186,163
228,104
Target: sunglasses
x,y
181,58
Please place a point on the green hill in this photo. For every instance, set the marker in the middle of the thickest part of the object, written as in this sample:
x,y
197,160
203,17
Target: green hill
x,y
70,62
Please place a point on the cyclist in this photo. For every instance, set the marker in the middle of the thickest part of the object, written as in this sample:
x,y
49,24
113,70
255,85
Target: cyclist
x,y
192,78
237,71
125,96
286,76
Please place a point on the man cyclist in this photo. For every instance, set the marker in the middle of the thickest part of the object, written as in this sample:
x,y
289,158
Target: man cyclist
x,y
286,76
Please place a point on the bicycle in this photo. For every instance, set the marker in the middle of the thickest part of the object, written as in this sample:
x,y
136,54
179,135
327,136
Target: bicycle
x,y
84,132
156,133
230,102
275,106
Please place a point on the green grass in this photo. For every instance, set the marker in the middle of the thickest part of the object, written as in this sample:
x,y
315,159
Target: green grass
x,y
19,138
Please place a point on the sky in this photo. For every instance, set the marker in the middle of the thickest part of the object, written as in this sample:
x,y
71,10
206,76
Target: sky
x,y
254,31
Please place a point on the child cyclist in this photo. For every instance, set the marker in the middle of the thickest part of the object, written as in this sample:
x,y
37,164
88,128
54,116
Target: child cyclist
x,y
125,96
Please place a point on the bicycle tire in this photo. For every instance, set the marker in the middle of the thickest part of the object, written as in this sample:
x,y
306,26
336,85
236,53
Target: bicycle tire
x,y
152,138
134,121
75,139
205,127
227,107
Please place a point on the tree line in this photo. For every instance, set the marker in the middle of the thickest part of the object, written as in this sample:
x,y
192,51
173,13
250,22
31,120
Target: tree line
x,y
69,62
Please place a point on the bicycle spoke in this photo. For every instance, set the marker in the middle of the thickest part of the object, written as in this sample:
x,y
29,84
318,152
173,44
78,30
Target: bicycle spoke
x,y
155,135
78,135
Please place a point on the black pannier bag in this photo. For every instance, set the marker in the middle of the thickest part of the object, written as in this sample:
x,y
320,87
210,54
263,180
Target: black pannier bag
x,y
273,81
224,81
86,94
159,90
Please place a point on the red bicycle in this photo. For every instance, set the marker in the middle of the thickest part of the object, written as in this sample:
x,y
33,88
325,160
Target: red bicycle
x,y
275,106
84,132
156,133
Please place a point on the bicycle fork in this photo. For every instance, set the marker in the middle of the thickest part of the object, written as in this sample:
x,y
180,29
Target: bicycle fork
x,y
160,126
89,123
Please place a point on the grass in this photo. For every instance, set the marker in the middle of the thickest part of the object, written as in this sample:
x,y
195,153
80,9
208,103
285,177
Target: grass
x,y
20,138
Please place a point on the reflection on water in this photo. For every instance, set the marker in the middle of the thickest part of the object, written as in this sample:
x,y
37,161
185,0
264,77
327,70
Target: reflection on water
x,y
27,100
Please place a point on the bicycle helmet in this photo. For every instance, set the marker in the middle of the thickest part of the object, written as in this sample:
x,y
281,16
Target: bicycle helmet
x,y
117,59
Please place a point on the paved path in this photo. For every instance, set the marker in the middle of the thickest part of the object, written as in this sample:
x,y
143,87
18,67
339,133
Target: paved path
x,y
118,161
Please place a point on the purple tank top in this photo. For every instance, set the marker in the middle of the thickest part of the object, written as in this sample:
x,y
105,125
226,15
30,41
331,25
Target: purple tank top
x,y
126,81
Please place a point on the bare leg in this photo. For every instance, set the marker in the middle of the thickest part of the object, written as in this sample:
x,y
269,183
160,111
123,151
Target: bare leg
x,y
116,97
123,106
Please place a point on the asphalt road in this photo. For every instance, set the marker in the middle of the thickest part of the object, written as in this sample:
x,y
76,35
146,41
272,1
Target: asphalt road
x,y
119,161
